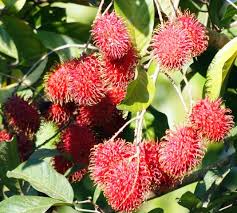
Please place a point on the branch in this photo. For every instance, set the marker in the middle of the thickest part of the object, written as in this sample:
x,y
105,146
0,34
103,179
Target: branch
x,y
196,176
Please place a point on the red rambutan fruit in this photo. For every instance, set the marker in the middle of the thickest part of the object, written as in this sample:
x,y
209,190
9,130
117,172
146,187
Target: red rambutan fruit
x,y
116,94
25,146
60,114
111,36
172,47
103,157
98,114
4,136
196,31
181,152
211,120
21,115
77,141
56,83
85,85
61,165
121,71
128,182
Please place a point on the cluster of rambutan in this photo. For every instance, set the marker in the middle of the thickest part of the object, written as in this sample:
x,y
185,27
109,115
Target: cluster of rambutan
x,y
84,92
126,172
178,40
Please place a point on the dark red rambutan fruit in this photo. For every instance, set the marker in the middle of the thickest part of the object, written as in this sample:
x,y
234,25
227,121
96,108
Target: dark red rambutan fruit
x,y
172,47
211,120
4,136
60,114
196,31
181,152
56,83
111,36
62,165
116,94
77,141
104,156
25,146
121,71
98,114
21,115
85,85
128,182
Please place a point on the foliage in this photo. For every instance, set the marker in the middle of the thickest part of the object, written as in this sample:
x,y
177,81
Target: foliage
x,y
37,35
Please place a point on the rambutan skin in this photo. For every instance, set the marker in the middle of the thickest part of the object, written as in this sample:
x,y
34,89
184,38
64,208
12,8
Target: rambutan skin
x,y
85,84
103,157
5,136
211,120
121,71
21,115
111,36
196,31
172,47
59,114
116,94
180,152
56,83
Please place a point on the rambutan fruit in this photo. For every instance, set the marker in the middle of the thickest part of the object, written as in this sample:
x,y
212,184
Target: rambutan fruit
x,y
104,156
116,94
25,146
4,136
77,141
60,114
111,36
172,47
197,32
180,152
211,120
85,85
121,71
21,115
56,83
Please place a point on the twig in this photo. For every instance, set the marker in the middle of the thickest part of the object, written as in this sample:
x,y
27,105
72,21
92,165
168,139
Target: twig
x,y
189,91
174,9
159,12
178,91
232,4
123,127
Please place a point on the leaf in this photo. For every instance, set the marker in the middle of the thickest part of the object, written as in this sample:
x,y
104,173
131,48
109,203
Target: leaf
x,y
140,26
64,209
167,8
14,6
57,41
45,179
9,158
97,194
28,204
140,93
189,200
34,76
218,70
28,45
7,45
230,182
47,132
77,13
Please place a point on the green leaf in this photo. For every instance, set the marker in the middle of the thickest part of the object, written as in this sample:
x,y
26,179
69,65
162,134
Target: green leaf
x,y
9,158
14,6
57,41
167,8
65,209
189,200
77,13
34,76
139,18
7,45
45,179
97,194
218,70
47,132
28,204
28,45
140,93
